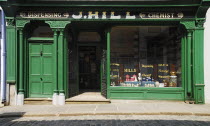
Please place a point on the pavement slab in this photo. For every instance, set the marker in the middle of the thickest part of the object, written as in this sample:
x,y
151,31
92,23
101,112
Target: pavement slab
x,y
115,108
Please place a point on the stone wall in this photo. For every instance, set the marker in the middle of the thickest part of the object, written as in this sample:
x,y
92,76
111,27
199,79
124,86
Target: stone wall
x,y
207,57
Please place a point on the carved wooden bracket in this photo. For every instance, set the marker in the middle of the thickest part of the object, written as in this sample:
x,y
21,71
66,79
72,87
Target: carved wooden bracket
x,y
10,22
188,24
57,24
200,23
21,23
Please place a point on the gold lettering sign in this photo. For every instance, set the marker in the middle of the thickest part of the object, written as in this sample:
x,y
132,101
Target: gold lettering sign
x,y
146,75
115,64
115,70
146,66
162,64
164,71
91,15
163,76
103,15
160,15
113,75
42,15
129,70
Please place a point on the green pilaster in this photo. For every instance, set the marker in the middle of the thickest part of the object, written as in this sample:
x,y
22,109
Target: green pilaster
x,y
108,63
189,62
25,68
58,46
183,55
185,66
195,61
198,63
20,24
55,44
21,90
190,26
11,51
61,62
65,65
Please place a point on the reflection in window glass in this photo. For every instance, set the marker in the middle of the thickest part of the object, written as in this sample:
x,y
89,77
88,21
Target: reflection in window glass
x,y
145,57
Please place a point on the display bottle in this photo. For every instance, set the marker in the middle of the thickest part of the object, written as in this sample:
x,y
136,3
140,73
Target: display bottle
x,y
165,83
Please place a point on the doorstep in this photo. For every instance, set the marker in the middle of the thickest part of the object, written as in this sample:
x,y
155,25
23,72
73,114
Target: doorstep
x,y
38,101
88,101
48,101
90,97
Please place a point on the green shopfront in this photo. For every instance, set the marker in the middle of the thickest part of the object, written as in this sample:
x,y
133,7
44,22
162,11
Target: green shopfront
x,y
142,49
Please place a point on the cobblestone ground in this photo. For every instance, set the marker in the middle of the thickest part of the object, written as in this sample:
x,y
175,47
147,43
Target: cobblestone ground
x,y
108,120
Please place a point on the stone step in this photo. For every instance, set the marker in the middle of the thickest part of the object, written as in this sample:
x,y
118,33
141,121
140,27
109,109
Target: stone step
x,y
38,101
47,101
88,97
88,101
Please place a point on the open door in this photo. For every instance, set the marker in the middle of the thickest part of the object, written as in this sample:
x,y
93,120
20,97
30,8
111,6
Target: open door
x,y
73,88
103,75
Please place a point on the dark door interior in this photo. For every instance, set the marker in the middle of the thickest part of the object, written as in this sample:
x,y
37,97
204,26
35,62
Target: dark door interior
x,y
89,68
85,53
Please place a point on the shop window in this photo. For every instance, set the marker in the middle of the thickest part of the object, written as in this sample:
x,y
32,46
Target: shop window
x,y
145,57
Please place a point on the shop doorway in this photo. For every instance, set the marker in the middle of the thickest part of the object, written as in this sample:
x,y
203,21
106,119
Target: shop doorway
x,y
89,69
40,69
85,55
39,61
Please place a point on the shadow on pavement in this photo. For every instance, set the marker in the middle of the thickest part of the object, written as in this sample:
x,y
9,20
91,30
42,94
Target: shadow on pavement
x,y
12,114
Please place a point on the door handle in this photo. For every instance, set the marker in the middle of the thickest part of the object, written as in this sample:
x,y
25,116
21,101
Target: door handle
x,y
41,79
41,53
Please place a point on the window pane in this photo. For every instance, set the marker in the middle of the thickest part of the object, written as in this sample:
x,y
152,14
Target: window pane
x,y
145,57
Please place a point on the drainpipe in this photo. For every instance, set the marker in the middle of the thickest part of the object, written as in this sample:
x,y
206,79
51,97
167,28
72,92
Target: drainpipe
x,y
3,58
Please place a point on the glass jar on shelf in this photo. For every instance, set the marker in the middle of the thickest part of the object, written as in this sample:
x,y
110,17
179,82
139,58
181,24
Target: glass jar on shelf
x,y
173,80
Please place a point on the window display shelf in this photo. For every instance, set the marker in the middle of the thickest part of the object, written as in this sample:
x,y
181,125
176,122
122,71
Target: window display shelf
x,y
140,84
147,83
145,88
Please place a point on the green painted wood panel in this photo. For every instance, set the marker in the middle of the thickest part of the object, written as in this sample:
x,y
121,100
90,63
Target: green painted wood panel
x,y
127,95
198,57
199,94
198,66
147,93
41,70
11,54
